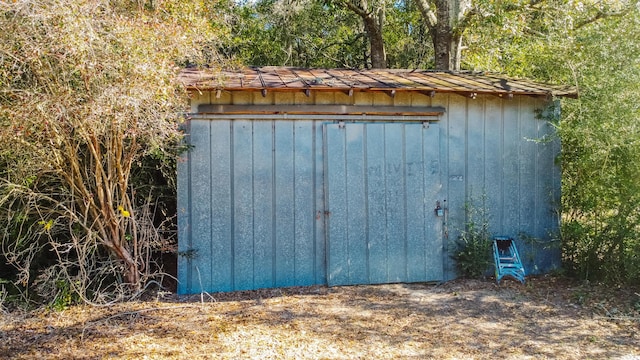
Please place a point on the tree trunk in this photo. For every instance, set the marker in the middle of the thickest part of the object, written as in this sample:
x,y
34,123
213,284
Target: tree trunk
x,y
374,32
445,27
131,273
373,23
442,36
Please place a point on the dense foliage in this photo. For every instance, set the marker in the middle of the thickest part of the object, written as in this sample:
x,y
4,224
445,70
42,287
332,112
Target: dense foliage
x,y
601,156
89,113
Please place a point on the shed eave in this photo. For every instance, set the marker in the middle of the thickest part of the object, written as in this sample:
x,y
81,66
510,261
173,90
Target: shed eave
x,y
286,79
463,92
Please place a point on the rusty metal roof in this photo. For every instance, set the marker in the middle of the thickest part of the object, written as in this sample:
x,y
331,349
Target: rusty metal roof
x,y
272,78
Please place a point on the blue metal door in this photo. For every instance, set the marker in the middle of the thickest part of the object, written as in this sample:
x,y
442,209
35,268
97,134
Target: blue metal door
x,y
382,181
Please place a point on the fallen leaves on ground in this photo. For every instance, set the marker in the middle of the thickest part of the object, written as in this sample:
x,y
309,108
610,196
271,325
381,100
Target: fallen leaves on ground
x,y
547,317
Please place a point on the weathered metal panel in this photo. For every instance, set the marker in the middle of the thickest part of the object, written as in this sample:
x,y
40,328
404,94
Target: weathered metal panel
x,y
432,174
221,211
475,161
319,236
356,201
382,186
506,170
511,169
336,200
493,176
263,211
376,205
284,203
252,191
395,201
243,188
418,208
456,170
201,210
304,204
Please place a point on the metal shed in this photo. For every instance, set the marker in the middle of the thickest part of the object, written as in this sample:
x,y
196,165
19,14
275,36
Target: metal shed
x,y
303,177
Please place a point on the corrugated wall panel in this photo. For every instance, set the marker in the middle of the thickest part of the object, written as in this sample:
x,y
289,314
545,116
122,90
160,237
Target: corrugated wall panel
x,y
242,192
356,204
376,203
418,207
304,182
284,204
475,162
201,210
511,169
337,230
221,200
433,189
548,190
528,199
265,190
396,230
456,170
493,162
320,256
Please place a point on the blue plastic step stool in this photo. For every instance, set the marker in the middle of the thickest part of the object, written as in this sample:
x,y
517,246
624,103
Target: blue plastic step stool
x,y
507,259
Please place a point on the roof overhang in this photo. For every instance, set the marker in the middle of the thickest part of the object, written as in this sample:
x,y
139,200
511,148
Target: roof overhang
x,y
388,81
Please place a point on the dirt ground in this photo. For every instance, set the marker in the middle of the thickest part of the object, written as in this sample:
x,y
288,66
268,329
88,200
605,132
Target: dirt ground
x,y
547,317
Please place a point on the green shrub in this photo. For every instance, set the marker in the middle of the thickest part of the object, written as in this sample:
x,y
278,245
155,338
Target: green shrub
x,y
472,252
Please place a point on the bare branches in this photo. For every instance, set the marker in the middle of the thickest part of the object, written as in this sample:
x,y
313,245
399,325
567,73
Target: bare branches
x,y
87,90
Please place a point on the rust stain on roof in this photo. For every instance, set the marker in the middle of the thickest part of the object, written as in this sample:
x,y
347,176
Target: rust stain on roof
x,y
273,78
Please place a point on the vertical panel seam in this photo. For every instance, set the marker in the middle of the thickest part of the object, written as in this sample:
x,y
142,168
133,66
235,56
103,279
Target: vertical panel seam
x,y
484,152
425,168
346,202
211,247
253,207
274,248
538,190
441,222
233,204
366,200
314,153
190,218
446,261
386,220
326,220
502,162
295,207
404,200
466,157
519,157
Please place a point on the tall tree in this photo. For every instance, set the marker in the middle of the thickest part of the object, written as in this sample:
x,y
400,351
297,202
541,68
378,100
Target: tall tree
x,y
372,14
447,21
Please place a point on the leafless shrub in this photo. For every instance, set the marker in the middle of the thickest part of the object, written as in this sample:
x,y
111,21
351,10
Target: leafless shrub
x,y
87,90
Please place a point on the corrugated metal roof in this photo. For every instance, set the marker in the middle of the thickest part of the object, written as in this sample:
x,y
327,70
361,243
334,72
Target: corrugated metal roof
x,y
273,78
